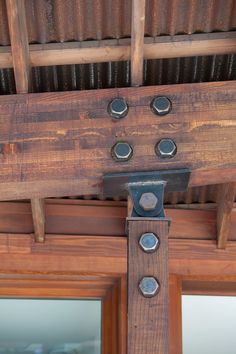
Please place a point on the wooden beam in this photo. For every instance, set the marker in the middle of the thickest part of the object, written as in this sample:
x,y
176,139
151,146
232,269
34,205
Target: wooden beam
x,y
190,259
19,44
73,217
226,197
21,64
56,144
148,318
137,41
162,47
64,254
38,214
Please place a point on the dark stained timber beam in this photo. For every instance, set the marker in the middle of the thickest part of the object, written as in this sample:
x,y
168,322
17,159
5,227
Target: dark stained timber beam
x,y
55,144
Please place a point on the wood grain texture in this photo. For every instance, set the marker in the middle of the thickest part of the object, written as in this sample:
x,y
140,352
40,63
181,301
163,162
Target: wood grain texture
x,y
201,258
61,254
57,144
38,214
225,202
73,217
110,50
137,41
19,44
175,315
148,330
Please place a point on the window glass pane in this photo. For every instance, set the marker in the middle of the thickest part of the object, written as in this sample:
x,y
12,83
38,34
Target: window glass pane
x,y
209,324
50,326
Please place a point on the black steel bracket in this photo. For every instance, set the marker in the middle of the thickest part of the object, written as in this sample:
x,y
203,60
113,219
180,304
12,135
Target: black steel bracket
x,y
143,185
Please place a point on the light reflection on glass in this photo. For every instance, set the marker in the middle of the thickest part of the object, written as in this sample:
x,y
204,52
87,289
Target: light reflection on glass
x,y
209,324
29,326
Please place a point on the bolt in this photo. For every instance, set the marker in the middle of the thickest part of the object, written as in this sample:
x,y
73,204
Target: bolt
x,y
149,242
148,201
149,286
161,105
118,108
122,151
166,148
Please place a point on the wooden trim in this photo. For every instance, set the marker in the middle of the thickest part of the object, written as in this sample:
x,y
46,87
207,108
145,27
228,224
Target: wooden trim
x,y
70,53
137,41
225,203
40,160
214,286
175,314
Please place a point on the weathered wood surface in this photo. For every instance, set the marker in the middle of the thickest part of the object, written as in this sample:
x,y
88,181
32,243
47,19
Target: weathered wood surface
x,y
73,217
148,318
108,255
137,41
59,254
68,53
56,144
226,197
38,216
19,44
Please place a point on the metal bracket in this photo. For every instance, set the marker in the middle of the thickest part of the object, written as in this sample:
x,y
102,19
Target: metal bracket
x,y
146,189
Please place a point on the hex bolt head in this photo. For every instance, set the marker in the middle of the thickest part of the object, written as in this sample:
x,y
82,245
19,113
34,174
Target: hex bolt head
x,y
161,105
148,201
118,108
149,286
166,148
149,242
122,151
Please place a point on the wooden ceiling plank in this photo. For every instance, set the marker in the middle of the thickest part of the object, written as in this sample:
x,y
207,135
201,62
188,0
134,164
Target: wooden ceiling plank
x,y
137,41
111,50
59,144
22,71
225,203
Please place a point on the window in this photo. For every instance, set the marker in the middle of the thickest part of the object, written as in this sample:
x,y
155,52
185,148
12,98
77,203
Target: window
x,y
43,326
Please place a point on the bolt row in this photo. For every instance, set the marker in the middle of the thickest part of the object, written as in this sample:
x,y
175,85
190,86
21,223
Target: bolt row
x,y
149,243
123,151
118,108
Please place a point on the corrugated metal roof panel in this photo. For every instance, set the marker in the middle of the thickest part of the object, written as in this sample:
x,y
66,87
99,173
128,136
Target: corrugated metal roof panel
x,y
79,20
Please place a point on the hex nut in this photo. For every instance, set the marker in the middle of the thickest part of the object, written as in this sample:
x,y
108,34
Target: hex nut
x,y
149,242
161,105
118,108
166,148
149,286
148,201
122,151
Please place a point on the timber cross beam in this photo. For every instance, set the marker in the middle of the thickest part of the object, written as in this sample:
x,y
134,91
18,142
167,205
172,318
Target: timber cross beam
x,y
56,144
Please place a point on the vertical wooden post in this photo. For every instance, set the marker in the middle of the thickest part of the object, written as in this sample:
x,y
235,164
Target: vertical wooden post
x,y
148,317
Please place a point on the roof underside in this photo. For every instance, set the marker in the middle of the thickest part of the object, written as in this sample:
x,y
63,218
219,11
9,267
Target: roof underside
x,y
57,21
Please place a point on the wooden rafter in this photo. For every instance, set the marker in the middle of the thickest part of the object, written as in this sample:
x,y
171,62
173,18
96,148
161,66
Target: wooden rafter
x,y
38,214
46,153
22,72
119,50
19,44
137,41
226,197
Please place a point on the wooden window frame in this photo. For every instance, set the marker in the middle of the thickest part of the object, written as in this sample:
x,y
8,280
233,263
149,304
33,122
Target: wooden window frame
x,y
66,276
